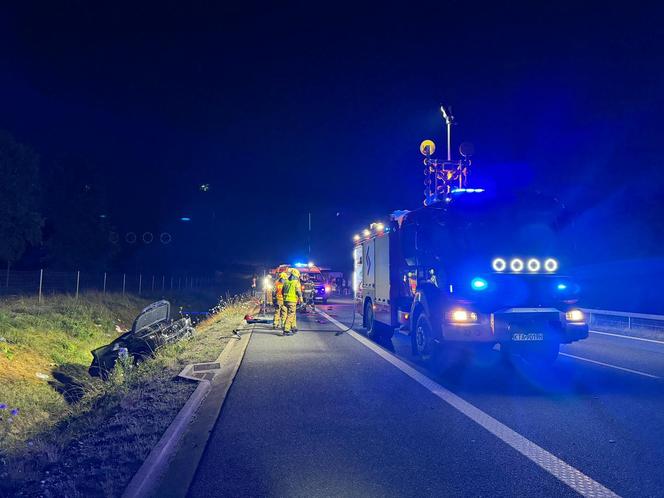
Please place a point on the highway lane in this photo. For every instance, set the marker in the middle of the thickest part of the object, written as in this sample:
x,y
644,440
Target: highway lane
x,y
606,422
319,414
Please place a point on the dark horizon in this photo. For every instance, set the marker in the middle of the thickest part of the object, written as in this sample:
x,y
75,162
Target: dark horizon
x,y
285,112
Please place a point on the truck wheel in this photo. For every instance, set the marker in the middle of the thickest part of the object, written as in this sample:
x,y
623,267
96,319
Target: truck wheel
x,y
369,321
541,354
422,339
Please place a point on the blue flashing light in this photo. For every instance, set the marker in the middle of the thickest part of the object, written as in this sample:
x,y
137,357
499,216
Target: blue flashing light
x,y
561,287
300,265
185,218
468,190
479,284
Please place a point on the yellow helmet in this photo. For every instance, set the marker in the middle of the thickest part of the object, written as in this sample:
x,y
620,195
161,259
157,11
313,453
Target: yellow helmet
x,y
295,272
283,274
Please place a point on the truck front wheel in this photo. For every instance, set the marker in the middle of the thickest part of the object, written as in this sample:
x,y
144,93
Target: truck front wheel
x,y
422,339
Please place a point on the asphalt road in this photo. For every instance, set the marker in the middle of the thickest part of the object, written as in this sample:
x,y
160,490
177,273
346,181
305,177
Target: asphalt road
x,y
321,414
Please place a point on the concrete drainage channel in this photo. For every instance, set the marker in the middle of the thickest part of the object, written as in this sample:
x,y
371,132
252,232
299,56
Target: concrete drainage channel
x,y
170,467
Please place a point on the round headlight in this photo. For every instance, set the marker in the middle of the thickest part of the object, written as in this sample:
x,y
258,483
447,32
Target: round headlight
x,y
534,264
516,265
499,264
551,265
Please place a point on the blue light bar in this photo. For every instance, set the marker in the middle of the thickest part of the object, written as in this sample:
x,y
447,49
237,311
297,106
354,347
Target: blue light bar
x,y
561,286
184,218
467,190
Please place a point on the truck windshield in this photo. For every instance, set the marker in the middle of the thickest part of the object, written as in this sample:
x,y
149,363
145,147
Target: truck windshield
x,y
476,228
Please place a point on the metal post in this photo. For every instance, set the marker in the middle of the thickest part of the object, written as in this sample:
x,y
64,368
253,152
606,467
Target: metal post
x,y
41,281
152,283
179,282
124,283
163,282
629,322
78,282
171,282
140,283
448,123
104,291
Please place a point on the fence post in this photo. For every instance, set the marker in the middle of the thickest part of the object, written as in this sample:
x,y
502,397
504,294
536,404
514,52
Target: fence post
x,y
152,283
104,291
629,322
171,282
140,283
163,281
78,281
124,282
41,281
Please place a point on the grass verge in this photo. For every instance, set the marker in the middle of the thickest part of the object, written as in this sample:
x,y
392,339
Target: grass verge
x,y
93,446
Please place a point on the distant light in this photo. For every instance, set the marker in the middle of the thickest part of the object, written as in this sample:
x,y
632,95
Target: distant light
x,y
551,265
356,237
380,227
366,232
574,316
534,264
310,265
479,284
499,264
103,216
204,187
516,265
561,286
185,218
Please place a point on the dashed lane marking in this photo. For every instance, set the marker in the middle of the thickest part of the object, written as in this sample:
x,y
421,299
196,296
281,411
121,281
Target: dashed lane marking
x,y
623,336
616,367
574,478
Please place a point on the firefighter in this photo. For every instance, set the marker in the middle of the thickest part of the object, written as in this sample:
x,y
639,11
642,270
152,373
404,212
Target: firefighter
x,y
292,291
279,308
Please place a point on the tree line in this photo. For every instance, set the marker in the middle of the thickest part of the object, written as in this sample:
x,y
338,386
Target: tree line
x,y
52,213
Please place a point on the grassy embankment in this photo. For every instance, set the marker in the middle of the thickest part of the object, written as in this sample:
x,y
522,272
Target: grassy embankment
x,y
75,435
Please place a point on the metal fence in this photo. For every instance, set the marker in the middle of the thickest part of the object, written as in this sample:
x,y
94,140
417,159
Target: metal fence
x,y
45,282
638,324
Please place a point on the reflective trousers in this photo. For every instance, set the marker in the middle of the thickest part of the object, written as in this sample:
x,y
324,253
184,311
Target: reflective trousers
x,y
279,313
290,322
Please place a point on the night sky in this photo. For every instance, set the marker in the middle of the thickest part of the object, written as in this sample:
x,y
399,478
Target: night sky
x,y
285,110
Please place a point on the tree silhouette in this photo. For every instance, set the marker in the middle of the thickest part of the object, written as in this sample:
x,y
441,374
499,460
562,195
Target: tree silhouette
x,y
20,221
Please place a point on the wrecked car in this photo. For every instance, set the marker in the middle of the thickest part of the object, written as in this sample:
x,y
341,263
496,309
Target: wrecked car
x,y
153,328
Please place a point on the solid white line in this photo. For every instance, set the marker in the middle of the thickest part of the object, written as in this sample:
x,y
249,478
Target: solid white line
x,y
637,372
574,478
622,336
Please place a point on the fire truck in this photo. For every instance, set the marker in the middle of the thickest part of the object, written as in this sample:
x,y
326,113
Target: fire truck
x,y
314,288
470,268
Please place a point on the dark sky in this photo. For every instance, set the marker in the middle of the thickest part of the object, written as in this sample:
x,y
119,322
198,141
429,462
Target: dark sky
x,y
290,109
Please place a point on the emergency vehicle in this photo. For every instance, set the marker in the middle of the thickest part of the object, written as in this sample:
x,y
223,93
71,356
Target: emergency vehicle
x,y
472,267
314,288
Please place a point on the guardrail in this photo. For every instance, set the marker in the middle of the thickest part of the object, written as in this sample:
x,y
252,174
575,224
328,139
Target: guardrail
x,y
638,324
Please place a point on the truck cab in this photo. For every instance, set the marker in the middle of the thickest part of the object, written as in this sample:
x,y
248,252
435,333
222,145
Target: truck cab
x,y
478,269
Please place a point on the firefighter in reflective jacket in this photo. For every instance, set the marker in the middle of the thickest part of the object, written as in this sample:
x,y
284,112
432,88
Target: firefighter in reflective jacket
x,y
279,308
292,297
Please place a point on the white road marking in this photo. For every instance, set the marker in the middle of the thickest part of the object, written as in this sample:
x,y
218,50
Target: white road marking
x,y
637,372
574,478
622,336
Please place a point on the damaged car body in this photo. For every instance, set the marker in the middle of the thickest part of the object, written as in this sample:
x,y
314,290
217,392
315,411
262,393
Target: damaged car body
x,y
153,328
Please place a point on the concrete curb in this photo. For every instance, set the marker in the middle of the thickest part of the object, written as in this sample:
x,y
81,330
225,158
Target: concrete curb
x,y
154,465
147,481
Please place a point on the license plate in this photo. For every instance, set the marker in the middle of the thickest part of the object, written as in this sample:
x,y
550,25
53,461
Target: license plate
x,y
527,337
